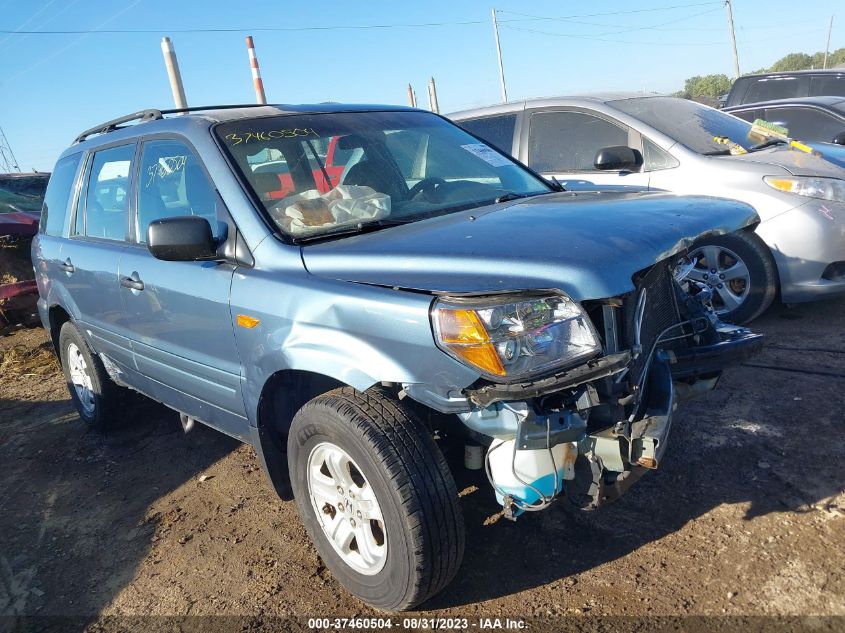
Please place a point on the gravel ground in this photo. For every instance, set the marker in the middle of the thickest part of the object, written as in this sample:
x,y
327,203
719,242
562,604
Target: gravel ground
x,y
745,517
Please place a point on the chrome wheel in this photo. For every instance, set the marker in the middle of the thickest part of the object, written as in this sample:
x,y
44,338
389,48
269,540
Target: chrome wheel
x,y
347,509
80,378
725,273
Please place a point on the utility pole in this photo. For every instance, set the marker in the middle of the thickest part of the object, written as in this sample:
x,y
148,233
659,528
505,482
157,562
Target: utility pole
x,y
173,73
412,98
256,72
499,55
827,48
432,97
733,37
8,162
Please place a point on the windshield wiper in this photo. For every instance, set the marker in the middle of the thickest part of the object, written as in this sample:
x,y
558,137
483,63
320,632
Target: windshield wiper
x,y
765,144
510,195
352,229
507,197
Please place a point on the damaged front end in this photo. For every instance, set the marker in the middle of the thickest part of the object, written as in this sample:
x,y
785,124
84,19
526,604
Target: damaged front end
x,y
591,430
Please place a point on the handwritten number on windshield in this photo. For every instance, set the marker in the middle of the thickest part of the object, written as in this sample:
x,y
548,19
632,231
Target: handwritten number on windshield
x,y
236,138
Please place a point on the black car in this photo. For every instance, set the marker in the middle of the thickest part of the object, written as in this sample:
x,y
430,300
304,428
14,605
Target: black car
x,y
786,85
809,119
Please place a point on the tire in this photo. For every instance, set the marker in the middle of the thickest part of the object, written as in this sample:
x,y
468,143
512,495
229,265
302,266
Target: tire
x,y
98,398
760,284
393,460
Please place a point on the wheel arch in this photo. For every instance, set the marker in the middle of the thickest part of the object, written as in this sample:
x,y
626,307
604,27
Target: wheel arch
x,y
282,395
58,316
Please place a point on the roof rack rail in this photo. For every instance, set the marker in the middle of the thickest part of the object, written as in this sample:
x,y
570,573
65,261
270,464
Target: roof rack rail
x,y
152,114
109,126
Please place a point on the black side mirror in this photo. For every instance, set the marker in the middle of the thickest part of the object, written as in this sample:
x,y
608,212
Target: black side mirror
x,y
839,139
181,239
618,158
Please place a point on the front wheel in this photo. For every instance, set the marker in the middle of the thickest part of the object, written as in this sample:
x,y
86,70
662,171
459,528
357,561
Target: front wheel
x,y
739,271
376,497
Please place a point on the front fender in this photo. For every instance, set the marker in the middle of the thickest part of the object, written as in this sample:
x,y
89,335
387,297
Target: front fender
x,y
356,334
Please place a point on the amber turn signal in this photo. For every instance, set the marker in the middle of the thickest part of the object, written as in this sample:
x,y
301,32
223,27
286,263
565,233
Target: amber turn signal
x,y
247,321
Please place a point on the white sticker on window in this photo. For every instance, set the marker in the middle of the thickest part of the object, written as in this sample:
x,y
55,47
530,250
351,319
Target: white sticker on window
x,y
488,155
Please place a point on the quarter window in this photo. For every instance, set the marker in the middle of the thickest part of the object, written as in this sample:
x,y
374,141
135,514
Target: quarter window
x,y
561,142
496,130
107,199
833,86
656,158
57,197
172,183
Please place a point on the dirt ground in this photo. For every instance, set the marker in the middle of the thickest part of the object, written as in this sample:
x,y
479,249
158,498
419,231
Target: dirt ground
x,y
746,515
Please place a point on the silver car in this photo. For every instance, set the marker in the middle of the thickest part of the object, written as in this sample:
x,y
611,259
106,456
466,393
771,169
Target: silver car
x,y
636,142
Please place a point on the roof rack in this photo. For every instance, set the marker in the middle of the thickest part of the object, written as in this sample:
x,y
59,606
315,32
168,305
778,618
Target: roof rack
x,y
152,114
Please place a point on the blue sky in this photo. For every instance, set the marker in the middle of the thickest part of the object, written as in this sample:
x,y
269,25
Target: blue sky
x,y
53,86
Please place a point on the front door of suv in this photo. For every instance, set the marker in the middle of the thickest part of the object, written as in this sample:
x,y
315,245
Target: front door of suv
x,y
563,143
178,312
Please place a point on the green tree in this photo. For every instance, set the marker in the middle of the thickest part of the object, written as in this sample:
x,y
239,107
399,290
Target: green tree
x,y
706,86
793,61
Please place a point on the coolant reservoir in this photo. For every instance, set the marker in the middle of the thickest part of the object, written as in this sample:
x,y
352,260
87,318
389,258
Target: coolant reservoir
x,y
532,467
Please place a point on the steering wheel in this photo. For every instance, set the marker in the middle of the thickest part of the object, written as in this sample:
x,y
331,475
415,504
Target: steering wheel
x,y
425,185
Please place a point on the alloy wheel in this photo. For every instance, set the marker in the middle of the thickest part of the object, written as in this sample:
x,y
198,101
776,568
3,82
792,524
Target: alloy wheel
x,y
725,273
80,378
347,509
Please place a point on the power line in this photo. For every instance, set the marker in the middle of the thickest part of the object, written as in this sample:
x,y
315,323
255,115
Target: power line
x,y
614,41
346,27
525,17
596,15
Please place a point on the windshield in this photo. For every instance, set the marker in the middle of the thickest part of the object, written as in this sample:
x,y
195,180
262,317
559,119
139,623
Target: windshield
x,y
691,124
314,173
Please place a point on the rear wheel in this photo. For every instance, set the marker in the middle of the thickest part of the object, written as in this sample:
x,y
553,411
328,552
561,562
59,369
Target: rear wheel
x,y
376,497
740,272
94,394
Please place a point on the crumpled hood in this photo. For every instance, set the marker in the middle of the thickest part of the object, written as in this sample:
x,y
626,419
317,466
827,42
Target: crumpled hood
x,y
587,244
830,164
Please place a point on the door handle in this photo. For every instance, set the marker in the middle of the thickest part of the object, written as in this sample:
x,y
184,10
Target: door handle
x,y
67,266
133,282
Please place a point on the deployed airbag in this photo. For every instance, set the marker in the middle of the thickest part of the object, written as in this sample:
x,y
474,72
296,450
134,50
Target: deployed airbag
x,y
345,204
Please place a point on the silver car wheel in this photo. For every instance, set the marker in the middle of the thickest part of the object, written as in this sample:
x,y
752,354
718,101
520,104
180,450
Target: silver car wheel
x,y
80,378
347,509
725,273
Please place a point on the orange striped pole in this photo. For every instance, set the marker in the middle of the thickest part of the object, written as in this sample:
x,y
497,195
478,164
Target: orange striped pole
x,y
256,72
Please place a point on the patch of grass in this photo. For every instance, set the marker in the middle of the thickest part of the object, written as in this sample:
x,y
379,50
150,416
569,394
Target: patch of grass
x,y
20,361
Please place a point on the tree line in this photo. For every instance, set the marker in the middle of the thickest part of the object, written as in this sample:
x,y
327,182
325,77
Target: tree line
x,y
715,85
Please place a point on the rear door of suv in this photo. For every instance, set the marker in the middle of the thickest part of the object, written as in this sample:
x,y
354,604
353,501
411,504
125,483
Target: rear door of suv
x,y
87,269
178,314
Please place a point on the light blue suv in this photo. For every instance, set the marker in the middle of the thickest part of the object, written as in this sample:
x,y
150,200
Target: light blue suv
x,y
355,290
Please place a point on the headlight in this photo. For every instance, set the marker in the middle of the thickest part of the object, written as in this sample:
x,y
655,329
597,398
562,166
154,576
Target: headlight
x,y
810,186
511,336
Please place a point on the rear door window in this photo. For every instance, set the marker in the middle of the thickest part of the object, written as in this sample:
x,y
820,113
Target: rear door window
x,y
562,142
57,197
496,130
172,183
107,197
775,88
